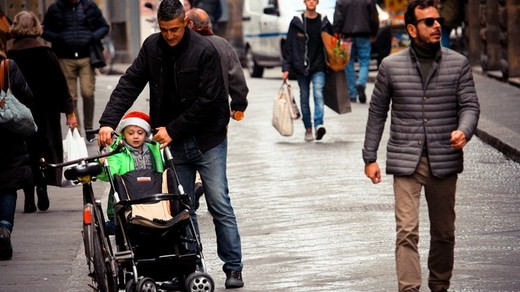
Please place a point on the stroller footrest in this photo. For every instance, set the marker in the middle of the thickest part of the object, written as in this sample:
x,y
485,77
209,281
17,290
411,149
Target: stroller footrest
x,y
158,223
122,256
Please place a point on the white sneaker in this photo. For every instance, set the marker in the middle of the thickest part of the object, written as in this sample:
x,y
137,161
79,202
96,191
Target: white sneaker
x,y
308,136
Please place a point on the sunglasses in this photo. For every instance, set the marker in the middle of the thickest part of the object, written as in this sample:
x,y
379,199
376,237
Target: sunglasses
x,y
429,21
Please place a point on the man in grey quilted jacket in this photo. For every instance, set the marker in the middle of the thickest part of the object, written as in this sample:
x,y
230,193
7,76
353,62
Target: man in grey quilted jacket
x,y
434,113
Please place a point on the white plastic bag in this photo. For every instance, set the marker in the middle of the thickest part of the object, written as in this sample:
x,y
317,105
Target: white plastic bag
x,y
74,147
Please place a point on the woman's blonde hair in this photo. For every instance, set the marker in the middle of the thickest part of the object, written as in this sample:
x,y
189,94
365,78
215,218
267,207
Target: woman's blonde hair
x,y
26,24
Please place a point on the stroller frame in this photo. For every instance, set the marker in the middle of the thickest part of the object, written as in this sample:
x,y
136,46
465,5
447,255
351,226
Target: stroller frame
x,y
182,268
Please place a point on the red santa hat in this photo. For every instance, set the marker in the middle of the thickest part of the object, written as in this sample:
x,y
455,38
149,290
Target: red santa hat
x,y
135,118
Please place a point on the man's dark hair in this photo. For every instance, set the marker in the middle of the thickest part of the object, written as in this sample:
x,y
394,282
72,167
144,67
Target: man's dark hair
x,y
170,9
409,15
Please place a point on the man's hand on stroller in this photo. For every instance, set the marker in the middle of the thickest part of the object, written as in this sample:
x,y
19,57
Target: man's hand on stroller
x,y
162,137
105,136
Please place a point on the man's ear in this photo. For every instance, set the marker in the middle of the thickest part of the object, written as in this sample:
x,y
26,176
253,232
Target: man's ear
x,y
412,30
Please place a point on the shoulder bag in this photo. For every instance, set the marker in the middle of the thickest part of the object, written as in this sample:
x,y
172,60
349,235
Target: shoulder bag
x,y
14,115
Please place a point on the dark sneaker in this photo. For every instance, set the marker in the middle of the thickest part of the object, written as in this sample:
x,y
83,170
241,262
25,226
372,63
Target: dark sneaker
x,y
234,279
198,191
320,131
90,137
361,92
6,249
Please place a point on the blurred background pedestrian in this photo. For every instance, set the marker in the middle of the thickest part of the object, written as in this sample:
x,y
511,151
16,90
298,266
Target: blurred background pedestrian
x,y
51,97
357,20
74,27
15,170
453,13
213,8
188,4
304,55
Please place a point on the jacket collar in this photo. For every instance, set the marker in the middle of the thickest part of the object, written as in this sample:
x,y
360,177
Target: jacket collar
x,y
413,53
26,43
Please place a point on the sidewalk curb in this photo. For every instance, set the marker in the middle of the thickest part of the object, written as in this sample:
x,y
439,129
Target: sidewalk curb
x,y
509,151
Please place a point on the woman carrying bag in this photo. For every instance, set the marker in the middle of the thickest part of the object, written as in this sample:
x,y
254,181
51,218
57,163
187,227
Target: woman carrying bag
x,y
51,98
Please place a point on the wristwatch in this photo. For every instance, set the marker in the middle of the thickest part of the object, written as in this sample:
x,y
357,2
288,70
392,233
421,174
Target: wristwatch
x,y
367,162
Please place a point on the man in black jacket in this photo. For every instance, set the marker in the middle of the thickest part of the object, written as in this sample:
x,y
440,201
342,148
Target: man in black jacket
x,y
189,108
74,27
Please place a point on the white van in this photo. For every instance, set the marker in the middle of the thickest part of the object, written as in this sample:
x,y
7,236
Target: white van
x,y
265,24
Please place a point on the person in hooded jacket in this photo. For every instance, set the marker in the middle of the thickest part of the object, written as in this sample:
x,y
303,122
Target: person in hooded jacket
x,y
304,55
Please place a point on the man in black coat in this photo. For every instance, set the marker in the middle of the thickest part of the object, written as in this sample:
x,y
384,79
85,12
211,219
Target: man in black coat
x,y
190,111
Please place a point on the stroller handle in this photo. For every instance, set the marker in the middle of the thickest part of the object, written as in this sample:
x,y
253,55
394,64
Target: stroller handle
x,y
44,164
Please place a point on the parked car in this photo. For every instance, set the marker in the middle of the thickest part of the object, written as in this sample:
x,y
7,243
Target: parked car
x,y
265,24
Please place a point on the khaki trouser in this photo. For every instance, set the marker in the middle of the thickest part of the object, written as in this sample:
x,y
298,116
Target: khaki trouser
x,y
440,197
80,68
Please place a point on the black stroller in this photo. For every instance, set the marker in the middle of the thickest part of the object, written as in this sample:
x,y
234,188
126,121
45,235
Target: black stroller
x,y
158,247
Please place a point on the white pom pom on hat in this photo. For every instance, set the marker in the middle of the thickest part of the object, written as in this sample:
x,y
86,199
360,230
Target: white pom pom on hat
x,y
135,118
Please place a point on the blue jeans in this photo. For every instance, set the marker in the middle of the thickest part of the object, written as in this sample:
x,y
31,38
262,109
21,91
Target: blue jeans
x,y
361,48
318,82
211,166
7,209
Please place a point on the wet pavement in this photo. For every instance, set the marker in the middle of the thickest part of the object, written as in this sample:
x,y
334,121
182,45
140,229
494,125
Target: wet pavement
x,y
308,217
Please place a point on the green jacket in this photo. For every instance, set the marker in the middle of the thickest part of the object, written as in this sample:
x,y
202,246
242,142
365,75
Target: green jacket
x,y
123,162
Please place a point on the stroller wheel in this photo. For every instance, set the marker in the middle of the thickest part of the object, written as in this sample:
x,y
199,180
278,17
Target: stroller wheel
x,y
146,285
199,282
130,286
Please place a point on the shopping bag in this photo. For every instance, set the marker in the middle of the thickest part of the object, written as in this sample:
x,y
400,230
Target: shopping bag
x,y
338,51
335,92
74,147
287,91
283,111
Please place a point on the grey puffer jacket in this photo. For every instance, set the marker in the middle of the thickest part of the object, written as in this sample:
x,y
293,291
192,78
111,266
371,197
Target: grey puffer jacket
x,y
422,112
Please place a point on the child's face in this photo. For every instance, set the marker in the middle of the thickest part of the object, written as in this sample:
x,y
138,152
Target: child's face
x,y
134,136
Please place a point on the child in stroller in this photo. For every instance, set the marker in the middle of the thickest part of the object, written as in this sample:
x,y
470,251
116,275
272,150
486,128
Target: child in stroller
x,y
138,153
151,217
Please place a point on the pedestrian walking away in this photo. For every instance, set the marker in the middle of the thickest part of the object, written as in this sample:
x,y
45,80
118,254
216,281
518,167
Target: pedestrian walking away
x,y
357,20
190,111
74,28
51,98
232,73
15,168
304,55
453,13
435,111
213,8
